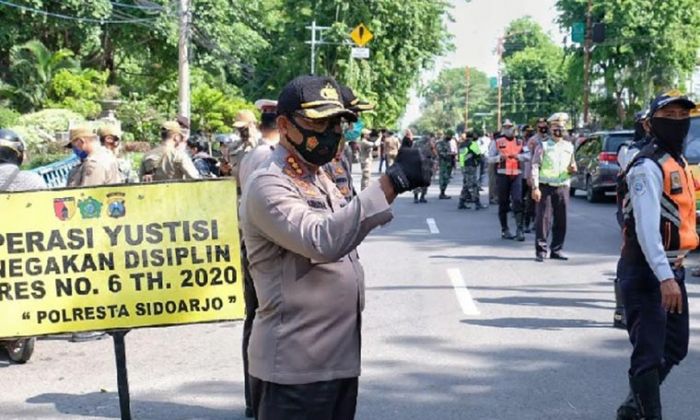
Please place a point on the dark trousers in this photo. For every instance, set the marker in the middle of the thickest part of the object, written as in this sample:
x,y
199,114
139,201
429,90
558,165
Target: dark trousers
x,y
382,162
510,190
251,305
329,400
551,214
528,205
660,339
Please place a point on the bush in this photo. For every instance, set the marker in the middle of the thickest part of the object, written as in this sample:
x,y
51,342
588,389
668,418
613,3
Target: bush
x,y
43,160
140,120
79,91
8,117
39,129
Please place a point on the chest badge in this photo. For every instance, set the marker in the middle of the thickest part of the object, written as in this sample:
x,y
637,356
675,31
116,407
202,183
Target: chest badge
x,y
676,183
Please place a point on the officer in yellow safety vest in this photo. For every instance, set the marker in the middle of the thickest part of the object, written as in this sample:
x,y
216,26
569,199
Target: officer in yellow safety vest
x,y
552,165
658,231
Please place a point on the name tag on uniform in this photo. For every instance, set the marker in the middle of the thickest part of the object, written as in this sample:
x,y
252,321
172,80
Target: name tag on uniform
x,y
676,183
317,204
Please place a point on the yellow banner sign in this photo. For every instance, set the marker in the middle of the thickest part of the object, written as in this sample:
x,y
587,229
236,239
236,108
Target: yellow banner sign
x,y
118,257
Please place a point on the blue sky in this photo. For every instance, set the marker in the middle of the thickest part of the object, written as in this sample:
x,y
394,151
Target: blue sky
x,y
476,28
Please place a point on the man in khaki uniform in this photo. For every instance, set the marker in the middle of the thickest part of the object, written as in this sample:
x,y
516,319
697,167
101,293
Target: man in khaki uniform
x,y
368,141
110,138
391,148
301,234
169,161
98,165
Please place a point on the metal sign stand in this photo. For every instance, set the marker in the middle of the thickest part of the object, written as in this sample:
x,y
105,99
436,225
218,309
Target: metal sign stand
x,y
122,377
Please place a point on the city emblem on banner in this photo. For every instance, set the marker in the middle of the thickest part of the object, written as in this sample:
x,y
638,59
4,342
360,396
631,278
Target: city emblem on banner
x,y
89,208
64,208
116,207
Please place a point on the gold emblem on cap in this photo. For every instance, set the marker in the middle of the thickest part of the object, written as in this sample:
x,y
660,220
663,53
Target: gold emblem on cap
x,y
311,143
674,92
330,93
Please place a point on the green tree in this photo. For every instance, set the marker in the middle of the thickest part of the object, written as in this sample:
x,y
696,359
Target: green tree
x,y
408,35
444,101
535,73
649,46
33,68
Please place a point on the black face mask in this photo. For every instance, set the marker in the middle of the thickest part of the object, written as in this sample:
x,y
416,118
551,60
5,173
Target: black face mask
x,y
317,148
670,133
543,130
557,133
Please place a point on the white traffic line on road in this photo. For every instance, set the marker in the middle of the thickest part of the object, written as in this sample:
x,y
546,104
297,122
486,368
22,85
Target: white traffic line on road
x,y
432,225
463,296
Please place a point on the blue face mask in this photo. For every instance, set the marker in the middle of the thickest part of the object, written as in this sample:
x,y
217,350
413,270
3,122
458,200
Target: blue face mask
x,y
81,154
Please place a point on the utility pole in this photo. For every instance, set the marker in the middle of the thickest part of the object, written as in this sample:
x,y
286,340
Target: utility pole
x,y
184,64
468,74
316,39
587,64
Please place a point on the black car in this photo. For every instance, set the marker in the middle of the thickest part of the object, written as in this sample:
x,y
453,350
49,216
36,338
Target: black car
x,y
596,159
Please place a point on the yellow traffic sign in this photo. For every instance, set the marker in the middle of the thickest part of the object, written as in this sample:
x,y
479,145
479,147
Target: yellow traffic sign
x,y
361,35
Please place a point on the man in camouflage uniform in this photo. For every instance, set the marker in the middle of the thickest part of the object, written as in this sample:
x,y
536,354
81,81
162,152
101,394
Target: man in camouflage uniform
x,y
429,150
469,160
445,160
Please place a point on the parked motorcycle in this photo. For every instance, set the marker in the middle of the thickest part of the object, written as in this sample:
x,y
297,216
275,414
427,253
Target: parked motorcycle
x,y
20,350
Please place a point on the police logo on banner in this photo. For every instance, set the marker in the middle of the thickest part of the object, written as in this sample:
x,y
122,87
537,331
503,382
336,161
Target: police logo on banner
x,y
116,206
64,208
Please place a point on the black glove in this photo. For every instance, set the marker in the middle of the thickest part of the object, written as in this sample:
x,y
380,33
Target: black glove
x,y
410,170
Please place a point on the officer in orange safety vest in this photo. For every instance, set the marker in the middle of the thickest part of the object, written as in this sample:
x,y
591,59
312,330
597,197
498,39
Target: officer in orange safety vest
x,y
507,153
659,230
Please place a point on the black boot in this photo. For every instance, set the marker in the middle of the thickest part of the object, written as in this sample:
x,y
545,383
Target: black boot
x,y
415,198
505,234
628,410
619,316
519,235
646,393
461,205
443,196
422,198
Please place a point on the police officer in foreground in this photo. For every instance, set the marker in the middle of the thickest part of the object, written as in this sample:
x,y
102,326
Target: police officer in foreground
x,y
625,154
659,230
301,236
169,161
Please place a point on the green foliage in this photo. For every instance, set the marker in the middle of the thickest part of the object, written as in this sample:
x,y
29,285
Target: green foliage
x,y
8,117
408,35
649,46
78,91
39,129
33,67
141,119
44,159
445,101
213,111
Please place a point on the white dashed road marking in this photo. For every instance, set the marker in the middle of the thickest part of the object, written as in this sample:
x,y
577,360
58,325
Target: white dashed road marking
x,y
463,296
433,226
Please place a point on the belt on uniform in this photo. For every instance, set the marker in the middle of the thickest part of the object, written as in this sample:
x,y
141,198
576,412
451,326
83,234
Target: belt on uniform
x,y
676,258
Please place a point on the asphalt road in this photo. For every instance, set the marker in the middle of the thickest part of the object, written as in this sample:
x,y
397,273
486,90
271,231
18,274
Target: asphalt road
x,y
459,324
